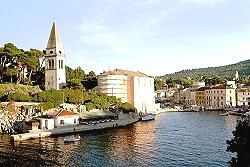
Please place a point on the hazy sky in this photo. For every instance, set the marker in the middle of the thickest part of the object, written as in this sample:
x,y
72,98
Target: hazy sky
x,y
152,36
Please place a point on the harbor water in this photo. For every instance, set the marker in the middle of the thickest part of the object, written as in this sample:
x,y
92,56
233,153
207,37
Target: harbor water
x,y
173,139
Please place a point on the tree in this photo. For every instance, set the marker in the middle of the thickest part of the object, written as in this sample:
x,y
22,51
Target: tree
x,y
240,144
32,61
158,84
214,81
90,81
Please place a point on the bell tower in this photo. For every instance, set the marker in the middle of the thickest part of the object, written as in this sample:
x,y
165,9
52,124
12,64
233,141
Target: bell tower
x,y
55,76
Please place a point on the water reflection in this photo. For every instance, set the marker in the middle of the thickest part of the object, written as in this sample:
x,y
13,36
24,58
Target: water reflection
x,y
173,139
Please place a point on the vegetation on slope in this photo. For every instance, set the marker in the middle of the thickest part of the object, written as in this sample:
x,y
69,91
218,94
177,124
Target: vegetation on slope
x,y
227,72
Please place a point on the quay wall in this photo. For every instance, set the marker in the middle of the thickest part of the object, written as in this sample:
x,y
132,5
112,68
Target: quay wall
x,y
123,121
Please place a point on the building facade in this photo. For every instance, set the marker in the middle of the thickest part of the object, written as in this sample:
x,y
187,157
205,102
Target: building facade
x,y
114,85
55,76
243,96
133,87
220,96
189,96
200,97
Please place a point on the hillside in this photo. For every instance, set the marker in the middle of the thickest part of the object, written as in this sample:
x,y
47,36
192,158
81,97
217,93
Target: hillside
x,y
14,88
227,71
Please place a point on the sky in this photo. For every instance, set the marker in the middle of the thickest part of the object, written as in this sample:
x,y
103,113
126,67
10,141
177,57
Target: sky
x,y
152,36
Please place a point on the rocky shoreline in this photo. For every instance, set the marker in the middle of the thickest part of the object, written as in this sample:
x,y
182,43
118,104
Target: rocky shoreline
x,y
11,123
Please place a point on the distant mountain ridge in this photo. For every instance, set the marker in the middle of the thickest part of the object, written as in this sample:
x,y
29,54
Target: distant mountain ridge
x,y
227,71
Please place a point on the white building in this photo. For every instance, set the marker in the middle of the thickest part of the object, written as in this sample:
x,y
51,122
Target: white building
x,y
65,118
113,85
133,87
220,96
197,85
46,122
243,96
55,76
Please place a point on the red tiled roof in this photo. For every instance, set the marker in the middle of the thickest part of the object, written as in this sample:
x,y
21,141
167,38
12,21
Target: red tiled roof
x,y
63,112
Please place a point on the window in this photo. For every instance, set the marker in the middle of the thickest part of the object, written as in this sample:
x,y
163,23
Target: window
x,y
221,103
221,97
243,93
51,51
61,64
52,64
74,121
48,64
221,91
214,97
61,122
230,91
60,52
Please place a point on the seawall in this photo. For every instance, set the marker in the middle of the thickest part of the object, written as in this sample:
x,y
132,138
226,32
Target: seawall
x,y
122,121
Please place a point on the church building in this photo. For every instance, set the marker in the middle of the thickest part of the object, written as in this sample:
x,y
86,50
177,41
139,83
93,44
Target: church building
x,y
55,77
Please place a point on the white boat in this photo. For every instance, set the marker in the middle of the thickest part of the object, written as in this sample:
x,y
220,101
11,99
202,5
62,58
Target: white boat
x,y
72,139
224,114
148,117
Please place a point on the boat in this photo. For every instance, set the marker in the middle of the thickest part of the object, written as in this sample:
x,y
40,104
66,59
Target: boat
x,y
148,117
235,113
72,139
224,114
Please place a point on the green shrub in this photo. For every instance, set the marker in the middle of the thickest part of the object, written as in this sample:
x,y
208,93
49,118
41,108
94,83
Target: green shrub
x,y
127,107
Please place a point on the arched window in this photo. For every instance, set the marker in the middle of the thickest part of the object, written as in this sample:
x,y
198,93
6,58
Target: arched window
x,y
52,64
49,64
61,64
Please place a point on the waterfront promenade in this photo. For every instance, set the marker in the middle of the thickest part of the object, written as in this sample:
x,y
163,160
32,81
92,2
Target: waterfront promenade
x,y
124,120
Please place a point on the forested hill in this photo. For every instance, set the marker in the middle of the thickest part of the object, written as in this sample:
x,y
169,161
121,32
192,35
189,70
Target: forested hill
x,y
227,71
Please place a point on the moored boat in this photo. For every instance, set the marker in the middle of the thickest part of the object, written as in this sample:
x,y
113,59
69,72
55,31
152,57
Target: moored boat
x,y
235,113
148,117
72,139
224,114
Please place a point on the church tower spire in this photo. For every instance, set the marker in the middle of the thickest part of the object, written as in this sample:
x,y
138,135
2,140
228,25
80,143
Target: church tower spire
x,y
55,76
